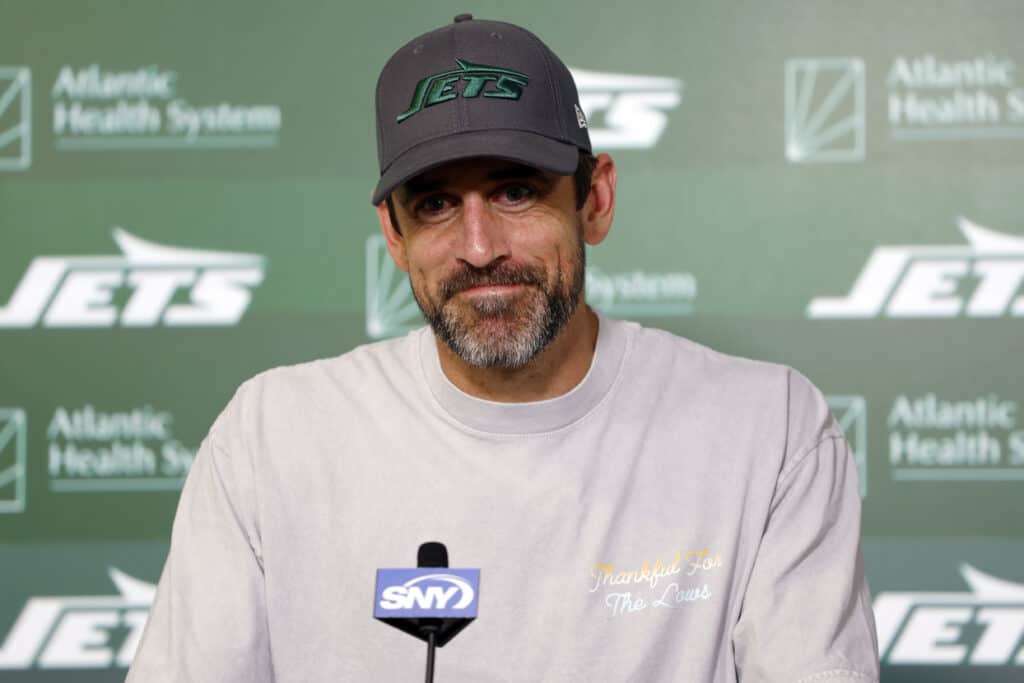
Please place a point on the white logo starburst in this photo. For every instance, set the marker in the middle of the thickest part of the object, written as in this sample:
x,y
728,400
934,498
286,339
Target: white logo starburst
x,y
851,413
824,110
391,310
15,118
13,464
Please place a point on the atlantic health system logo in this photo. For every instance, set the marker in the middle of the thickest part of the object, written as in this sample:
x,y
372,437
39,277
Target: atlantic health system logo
x,y
930,97
133,448
955,437
851,413
13,459
96,108
825,109
15,118
927,281
79,291
391,310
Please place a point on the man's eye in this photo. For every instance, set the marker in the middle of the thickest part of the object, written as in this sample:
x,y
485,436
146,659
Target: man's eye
x,y
432,205
516,194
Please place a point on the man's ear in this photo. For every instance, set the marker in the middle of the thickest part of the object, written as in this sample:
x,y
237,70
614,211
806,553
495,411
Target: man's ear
x,y
392,237
599,209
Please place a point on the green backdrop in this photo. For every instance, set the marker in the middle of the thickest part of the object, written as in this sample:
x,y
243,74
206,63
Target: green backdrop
x,y
184,202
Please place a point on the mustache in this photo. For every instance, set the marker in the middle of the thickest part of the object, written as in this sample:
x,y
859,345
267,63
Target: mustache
x,y
498,274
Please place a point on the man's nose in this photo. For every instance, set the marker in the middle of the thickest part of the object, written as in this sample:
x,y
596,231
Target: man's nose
x,y
483,239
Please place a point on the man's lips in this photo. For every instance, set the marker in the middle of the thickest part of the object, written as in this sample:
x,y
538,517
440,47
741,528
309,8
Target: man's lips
x,y
492,290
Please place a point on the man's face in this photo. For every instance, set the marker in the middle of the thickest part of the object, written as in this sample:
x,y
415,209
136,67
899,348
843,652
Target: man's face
x,y
495,257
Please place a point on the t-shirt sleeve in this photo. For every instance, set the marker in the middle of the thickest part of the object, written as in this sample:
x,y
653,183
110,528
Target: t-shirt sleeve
x,y
208,620
806,615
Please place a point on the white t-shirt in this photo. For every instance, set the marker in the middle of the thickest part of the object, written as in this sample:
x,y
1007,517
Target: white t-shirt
x,y
680,515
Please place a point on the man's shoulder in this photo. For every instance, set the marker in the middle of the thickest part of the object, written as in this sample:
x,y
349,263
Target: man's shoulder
x,y
731,380
771,396
669,350
363,370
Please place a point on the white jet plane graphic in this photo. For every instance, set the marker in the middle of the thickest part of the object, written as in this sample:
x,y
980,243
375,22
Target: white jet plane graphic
x,y
69,632
78,291
927,628
923,281
634,107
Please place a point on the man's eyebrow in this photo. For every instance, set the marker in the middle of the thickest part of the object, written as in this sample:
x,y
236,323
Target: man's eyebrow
x,y
518,172
418,186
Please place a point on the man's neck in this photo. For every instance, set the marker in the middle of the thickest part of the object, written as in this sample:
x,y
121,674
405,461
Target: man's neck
x,y
555,371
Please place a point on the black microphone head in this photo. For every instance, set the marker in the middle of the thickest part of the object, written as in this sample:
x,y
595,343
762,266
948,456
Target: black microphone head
x,y
432,554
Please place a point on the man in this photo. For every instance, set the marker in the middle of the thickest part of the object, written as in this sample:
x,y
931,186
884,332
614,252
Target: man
x,y
641,507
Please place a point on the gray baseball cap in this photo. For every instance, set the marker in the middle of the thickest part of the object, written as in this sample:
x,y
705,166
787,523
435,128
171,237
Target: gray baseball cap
x,y
476,89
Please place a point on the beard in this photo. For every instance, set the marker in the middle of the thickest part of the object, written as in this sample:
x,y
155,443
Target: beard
x,y
504,331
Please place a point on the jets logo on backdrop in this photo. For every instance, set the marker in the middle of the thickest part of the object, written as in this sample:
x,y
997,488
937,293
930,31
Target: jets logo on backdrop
x,y
980,627
479,80
172,286
625,111
930,281
15,118
80,632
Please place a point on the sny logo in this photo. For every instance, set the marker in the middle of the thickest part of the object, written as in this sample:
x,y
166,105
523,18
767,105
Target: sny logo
x,y
923,282
426,593
936,628
65,291
440,87
67,633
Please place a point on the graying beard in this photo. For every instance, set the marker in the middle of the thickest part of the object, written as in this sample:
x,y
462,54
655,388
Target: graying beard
x,y
511,353
546,322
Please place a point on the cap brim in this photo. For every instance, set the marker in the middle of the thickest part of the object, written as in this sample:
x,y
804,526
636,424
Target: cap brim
x,y
531,149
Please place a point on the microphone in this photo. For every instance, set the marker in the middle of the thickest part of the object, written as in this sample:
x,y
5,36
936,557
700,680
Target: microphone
x,y
432,602
432,554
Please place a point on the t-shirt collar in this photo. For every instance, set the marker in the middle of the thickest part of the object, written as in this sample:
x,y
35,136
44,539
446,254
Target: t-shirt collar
x,y
535,416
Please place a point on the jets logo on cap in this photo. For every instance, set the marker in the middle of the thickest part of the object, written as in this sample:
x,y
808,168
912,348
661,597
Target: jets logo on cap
x,y
480,81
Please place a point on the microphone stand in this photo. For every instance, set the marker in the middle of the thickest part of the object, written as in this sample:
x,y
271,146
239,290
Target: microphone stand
x,y
430,656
